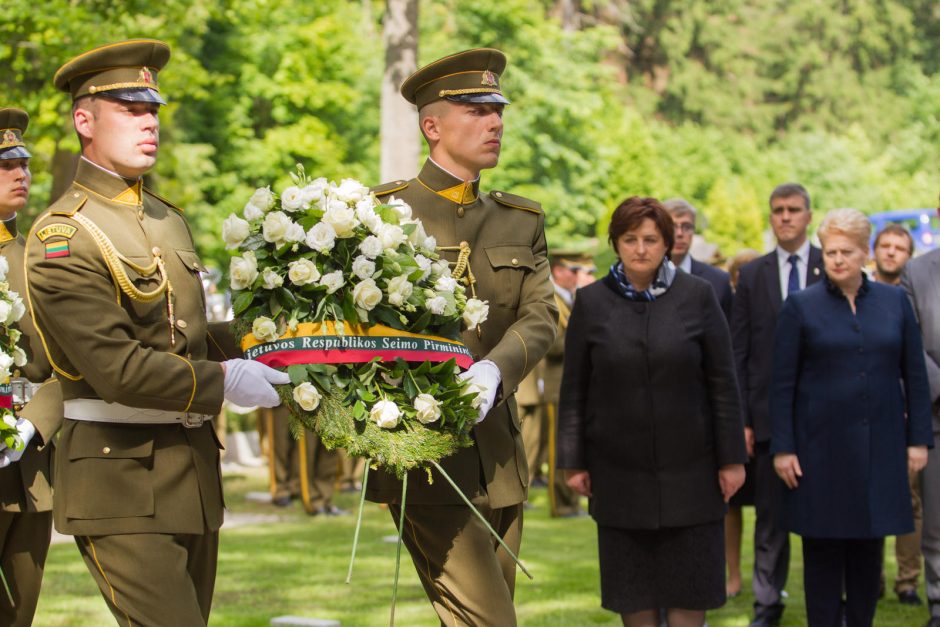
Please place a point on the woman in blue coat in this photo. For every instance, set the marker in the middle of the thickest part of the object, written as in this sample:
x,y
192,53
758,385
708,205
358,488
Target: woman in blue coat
x,y
850,409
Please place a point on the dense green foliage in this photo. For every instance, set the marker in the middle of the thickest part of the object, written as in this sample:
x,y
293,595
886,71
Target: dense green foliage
x,y
715,101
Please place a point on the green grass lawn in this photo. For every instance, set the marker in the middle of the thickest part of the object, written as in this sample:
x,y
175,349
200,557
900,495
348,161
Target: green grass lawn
x,y
297,566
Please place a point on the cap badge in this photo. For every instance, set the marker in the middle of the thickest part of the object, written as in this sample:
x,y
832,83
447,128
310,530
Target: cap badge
x,y
145,76
9,137
489,79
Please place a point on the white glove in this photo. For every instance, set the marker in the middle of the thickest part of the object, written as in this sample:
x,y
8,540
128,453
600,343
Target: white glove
x,y
483,378
248,383
26,431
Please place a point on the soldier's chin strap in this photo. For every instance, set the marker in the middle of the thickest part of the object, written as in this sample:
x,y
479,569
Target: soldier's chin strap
x,y
116,261
462,271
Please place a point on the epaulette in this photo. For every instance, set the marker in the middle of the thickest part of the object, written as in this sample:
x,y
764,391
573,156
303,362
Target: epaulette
x,y
516,202
163,200
389,188
69,203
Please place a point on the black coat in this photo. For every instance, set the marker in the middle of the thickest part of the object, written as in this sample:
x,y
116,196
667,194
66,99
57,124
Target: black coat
x,y
649,404
720,281
757,302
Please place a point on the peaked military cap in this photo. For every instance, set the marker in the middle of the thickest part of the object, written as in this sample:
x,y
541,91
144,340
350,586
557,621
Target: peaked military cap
x,y
469,76
126,70
13,123
573,258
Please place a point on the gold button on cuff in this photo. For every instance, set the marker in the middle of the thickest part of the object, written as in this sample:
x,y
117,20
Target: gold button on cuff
x,y
515,261
181,323
106,450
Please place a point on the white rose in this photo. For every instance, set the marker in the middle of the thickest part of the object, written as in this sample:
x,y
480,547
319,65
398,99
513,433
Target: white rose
x,y
6,362
275,226
307,396
430,243
391,236
440,268
371,247
302,272
367,295
401,208
260,202
271,279
362,267
243,271
4,268
295,233
385,414
234,231
446,284
313,192
264,329
475,312
292,198
436,305
365,211
425,264
351,190
332,281
399,289
321,237
19,309
428,408
5,310
19,357
342,219
477,391
418,235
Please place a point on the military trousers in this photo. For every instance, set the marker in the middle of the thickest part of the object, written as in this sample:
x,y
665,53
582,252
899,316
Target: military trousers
x,y
534,438
907,547
467,576
320,463
24,544
154,578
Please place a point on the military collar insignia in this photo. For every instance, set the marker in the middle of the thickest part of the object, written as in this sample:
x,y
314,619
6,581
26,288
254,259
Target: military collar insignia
x,y
446,185
488,79
107,184
8,230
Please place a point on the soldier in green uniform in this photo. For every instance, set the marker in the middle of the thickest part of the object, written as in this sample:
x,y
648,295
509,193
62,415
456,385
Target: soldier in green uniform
x,y
499,239
25,476
116,296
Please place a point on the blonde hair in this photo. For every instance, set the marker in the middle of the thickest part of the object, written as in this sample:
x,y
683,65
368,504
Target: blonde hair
x,y
851,223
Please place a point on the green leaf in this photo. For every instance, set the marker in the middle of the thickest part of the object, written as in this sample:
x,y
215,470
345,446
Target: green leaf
x,y
297,373
275,306
410,389
285,297
242,302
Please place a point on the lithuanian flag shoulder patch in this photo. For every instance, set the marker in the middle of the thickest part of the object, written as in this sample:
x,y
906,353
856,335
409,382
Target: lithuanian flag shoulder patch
x,y
57,249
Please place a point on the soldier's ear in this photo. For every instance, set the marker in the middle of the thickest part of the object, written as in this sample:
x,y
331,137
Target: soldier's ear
x,y
84,121
431,128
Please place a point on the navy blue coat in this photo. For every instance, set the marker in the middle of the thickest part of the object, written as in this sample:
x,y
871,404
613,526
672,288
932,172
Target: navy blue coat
x,y
841,387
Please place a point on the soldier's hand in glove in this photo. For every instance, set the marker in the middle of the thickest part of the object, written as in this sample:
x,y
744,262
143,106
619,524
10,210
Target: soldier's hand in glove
x,y
483,378
250,383
26,430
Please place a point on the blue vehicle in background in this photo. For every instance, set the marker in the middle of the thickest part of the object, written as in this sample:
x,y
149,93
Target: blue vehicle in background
x,y
923,224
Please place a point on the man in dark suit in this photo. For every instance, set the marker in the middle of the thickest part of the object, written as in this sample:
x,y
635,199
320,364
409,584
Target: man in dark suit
x,y
684,215
921,281
762,288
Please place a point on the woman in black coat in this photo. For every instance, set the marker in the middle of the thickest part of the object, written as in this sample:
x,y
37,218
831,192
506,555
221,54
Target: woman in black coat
x,y
850,410
650,425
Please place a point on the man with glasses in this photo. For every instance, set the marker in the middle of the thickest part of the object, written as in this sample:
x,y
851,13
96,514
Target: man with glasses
x,y
763,286
684,215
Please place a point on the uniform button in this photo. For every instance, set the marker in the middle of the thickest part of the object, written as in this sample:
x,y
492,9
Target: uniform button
x,y
398,182
464,244
498,194
140,214
459,212
189,355
76,195
181,323
106,450
515,261
156,251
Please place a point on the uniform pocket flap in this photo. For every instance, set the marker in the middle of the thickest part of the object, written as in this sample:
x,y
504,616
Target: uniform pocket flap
x,y
191,260
511,257
104,440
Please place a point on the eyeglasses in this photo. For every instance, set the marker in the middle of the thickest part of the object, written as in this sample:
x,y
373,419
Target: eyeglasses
x,y
685,227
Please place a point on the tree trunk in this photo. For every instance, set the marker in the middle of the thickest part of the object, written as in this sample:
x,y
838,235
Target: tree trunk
x,y
401,143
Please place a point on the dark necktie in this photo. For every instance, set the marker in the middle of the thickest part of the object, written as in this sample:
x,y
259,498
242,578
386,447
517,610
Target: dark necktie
x,y
793,283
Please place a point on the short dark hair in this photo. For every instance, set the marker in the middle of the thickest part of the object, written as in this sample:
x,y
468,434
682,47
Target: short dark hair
x,y
786,190
632,211
896,229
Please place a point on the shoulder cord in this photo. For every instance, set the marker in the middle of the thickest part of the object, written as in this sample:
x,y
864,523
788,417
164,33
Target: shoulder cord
x,y
462,271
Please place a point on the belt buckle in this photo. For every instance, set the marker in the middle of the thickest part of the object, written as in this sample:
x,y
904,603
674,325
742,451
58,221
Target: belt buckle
x,y
193,421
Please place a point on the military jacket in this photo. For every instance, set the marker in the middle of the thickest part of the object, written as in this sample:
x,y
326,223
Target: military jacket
x,y
509,262
26,485
92,257
553,365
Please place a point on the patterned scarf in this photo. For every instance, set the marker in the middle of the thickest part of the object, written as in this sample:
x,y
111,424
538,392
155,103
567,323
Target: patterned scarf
x,y
664,278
